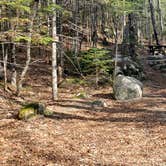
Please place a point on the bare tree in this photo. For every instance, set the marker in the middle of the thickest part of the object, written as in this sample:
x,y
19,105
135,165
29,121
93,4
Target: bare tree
x,y
54,56
20,81
151,4
160,17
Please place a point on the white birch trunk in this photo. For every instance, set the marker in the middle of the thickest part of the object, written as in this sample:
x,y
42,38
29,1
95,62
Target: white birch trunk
x,y
54,57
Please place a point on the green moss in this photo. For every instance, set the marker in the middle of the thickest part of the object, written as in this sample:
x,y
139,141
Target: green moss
x,y
70,82
75,81
27,88
31,110
27,113
81,95
48,113
1,84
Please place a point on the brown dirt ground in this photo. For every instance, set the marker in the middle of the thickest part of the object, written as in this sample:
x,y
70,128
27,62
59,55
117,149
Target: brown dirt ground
x,y
124,133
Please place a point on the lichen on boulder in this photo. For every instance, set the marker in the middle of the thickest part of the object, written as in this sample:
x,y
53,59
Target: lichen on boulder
x,y
31,110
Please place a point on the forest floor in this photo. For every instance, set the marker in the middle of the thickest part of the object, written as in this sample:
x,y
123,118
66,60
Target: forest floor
x,y
123,133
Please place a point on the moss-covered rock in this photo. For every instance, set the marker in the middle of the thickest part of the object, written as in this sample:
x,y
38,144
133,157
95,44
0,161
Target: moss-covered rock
x,y
26,113
48,113
31,110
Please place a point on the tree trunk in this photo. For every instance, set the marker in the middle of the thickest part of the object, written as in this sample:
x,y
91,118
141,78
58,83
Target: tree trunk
x,y
5,57
116,51
14,71
94,34
124,19
133,35
54,57
60,53
160,17
20,81
153,21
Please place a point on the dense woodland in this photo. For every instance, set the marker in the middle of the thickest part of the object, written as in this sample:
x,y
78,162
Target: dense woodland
x,y
69,27
88,66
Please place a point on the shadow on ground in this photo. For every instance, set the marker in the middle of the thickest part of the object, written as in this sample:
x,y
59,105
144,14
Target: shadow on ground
x,y
116,114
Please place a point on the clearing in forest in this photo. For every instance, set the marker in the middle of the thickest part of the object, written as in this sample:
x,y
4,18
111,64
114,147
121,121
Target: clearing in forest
x,y
131,133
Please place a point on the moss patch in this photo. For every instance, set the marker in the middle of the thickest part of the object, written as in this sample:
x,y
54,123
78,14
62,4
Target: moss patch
x,y
48,113
27,113
31,110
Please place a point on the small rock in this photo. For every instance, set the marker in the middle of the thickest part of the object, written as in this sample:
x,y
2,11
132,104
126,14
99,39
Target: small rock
x,y
99,103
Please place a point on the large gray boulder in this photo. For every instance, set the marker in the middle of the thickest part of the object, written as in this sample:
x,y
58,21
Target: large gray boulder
x,y
127,88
